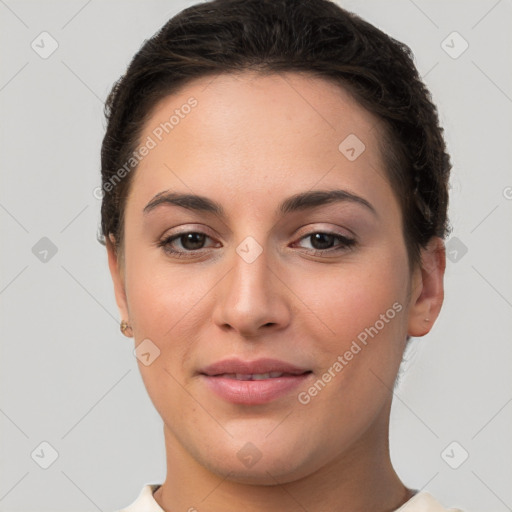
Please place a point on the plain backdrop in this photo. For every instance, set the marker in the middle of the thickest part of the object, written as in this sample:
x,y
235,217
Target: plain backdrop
x,y
71,396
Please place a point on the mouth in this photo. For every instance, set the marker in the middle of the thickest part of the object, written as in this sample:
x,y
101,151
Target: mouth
x,y
256,376
253,382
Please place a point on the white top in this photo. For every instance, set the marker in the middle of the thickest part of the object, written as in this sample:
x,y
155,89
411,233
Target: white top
x,y
420,502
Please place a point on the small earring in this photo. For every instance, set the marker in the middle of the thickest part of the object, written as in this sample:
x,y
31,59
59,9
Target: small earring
x,y
124,327
427,320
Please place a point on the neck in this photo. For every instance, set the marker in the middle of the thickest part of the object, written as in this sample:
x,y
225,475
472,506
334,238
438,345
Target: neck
x,y
359,480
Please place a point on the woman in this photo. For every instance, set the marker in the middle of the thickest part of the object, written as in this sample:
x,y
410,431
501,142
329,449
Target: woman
x,y
275,202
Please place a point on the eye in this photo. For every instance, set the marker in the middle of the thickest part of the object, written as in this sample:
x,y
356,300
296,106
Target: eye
x,y
190,241
323,242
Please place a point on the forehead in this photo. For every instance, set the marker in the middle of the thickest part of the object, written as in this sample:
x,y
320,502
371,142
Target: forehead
x,y
249,104
235,132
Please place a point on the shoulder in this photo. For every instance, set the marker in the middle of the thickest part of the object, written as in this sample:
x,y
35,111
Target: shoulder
x,y
145,502
420,502
424,502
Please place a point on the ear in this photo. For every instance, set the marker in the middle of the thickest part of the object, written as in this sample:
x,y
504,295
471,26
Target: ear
x,y
116,271
427,288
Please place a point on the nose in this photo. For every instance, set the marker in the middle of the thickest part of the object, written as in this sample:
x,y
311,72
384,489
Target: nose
x,y
252,299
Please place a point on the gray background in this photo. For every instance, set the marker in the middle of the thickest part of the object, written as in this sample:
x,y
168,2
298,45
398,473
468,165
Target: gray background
x,y
68,376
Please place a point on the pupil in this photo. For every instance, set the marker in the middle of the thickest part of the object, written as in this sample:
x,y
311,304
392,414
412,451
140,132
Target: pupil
x,y
193,240
318,237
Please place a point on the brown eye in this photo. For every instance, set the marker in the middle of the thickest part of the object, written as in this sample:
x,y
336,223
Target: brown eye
x,y
183,243
326,242
322,241
192,241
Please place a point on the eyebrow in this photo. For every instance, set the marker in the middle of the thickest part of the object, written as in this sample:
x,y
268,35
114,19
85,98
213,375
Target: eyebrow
x,y
297,202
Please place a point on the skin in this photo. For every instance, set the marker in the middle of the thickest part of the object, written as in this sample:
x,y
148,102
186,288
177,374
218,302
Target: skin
x,y
251,142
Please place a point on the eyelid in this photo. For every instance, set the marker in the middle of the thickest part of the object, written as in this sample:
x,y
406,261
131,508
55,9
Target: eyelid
x,y
188,228
176,235
315,228
345,243
173,234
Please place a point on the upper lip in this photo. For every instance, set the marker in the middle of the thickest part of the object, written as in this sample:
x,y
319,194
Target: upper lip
x,y
251,367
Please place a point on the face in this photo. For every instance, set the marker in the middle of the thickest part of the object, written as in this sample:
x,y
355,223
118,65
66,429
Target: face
x,y
278,313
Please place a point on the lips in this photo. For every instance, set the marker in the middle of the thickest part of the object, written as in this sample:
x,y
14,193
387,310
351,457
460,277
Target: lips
x,y
254,376
257,367
253,382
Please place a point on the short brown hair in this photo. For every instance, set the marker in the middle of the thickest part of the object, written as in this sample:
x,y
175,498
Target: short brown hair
x,y
271,36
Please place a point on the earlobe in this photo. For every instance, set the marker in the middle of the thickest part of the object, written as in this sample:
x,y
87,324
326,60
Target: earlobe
x,y
116,273
427,292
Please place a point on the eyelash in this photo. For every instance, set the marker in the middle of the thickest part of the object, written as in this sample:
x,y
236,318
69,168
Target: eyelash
x,y
346,243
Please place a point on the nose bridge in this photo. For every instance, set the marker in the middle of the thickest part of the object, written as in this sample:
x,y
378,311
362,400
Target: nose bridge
x,y
249,296
251,273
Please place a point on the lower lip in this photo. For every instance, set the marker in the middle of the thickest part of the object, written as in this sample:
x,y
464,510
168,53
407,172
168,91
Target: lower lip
x,y
254,392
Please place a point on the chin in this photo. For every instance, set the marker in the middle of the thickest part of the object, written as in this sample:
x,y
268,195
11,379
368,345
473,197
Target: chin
x,y
262,473
274,463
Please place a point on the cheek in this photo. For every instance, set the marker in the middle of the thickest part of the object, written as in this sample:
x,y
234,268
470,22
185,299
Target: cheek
x,y
159,293
349,299
165,304
170,305
358,330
